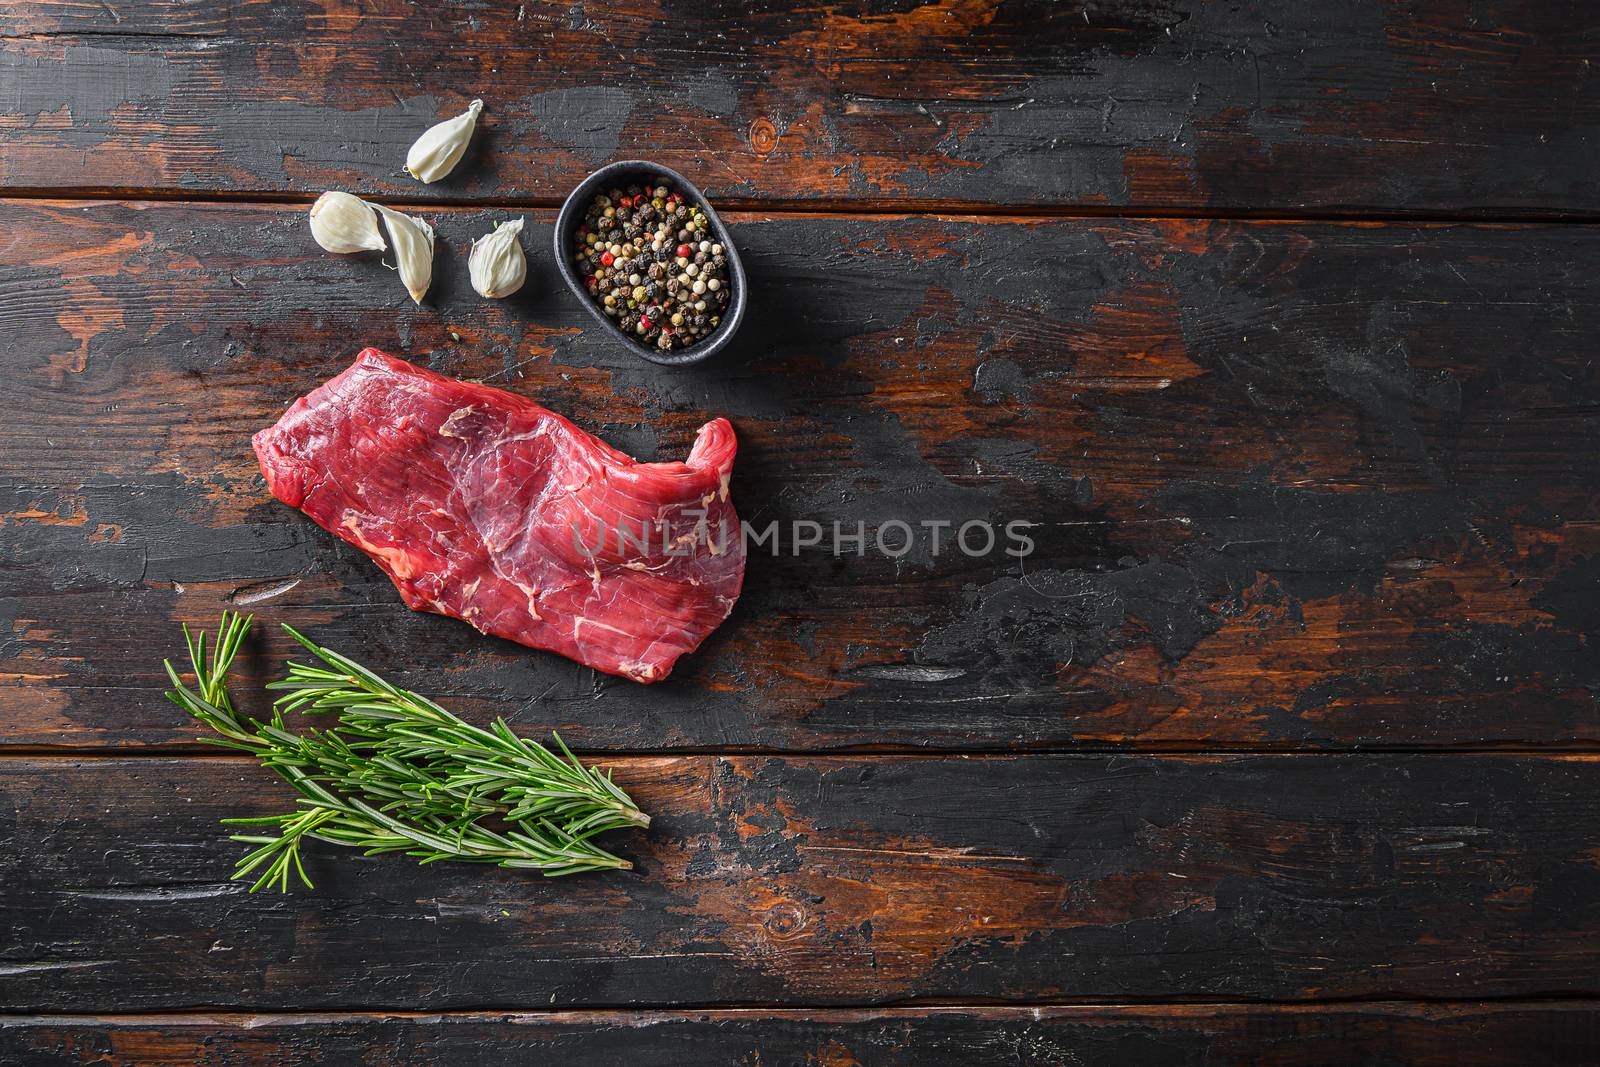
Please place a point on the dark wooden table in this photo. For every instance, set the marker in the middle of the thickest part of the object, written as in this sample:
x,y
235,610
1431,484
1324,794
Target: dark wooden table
x,y
1280,318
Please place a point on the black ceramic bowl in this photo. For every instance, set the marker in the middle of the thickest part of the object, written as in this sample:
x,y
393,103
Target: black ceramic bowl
x,y
623,173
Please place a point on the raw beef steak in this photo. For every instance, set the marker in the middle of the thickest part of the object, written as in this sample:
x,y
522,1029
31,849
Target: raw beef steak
x,y
486,507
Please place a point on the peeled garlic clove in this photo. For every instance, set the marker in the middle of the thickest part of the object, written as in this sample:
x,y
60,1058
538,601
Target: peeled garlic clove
x,y
437,152
413,250
344,223
497,264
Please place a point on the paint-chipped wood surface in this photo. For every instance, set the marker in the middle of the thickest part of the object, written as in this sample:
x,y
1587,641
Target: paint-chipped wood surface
x,y
1278,320
1338,105
1390,1034
836,880
1279,504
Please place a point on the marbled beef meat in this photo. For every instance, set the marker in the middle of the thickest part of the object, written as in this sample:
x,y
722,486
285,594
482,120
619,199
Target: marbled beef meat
x,y
486,507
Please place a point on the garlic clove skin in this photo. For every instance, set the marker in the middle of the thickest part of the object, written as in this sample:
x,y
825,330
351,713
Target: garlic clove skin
x,y
413,250
344,223
437,151
497,264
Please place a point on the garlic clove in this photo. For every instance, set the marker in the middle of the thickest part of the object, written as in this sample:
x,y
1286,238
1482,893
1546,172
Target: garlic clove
x,y
497,264
413,250
437,151
344,223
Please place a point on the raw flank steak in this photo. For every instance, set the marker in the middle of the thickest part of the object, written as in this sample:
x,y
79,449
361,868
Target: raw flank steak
x,y
484,506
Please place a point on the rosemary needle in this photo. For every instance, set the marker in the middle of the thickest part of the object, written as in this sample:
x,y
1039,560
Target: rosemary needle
x,y
396,772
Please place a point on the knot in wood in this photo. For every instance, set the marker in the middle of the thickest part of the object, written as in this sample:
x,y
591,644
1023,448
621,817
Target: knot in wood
x,y
763,135
785,920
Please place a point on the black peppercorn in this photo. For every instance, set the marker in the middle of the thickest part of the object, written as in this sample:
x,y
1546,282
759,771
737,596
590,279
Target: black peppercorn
x,y
643,289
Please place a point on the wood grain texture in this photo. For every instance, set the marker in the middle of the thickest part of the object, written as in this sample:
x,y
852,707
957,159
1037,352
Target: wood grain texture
x,y
1341,105
841,880
1300,485
1549,1033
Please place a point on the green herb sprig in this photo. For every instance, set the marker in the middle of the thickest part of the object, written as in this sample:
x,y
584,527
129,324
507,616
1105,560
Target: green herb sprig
x,y
399,773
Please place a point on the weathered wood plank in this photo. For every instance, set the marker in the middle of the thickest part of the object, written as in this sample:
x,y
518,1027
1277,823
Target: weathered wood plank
x,y
1301,485
1156,104
843,880
1550,1033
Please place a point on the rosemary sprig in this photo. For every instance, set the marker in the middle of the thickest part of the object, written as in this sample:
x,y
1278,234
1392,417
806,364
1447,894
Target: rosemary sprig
x,y
399,773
